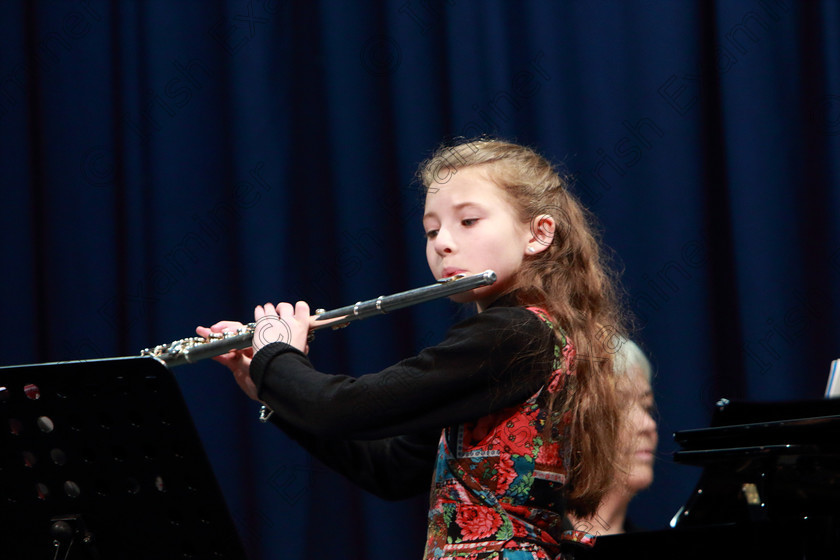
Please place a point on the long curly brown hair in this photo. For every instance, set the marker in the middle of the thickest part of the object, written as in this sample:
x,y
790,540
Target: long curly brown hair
x,y
573,281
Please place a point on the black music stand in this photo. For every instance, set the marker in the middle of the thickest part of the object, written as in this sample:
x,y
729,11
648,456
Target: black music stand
x,y
100,459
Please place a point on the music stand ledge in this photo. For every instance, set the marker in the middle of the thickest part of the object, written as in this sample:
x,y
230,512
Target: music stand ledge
x,y
100,459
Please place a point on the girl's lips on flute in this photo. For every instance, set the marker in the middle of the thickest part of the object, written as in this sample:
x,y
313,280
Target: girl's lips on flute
x,y
449,271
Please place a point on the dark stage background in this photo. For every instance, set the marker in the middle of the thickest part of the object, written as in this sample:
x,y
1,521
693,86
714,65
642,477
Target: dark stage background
x,y
171,163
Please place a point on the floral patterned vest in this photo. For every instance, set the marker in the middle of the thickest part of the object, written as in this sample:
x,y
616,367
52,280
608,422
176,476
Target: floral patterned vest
x,y
499,481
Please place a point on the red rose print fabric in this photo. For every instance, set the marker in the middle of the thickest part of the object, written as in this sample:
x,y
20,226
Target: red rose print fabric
x,y
499,481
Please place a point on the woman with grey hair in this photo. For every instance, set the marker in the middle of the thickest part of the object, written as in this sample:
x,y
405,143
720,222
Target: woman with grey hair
x,y
638,441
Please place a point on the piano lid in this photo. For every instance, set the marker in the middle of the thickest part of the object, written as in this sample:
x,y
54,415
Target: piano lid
x,y
763,429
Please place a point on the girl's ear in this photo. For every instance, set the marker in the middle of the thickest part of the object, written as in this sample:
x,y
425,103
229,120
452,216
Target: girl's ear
x,y
541,234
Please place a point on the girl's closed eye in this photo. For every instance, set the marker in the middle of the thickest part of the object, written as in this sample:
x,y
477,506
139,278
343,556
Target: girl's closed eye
x,y
431,234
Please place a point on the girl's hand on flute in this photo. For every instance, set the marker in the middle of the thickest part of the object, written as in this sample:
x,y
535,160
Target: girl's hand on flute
x,y
282,324
237,361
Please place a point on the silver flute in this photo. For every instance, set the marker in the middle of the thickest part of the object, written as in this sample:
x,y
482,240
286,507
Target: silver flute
x,y
192,349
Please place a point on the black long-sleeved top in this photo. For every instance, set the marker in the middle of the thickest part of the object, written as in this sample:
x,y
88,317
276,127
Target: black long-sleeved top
x,y
381,429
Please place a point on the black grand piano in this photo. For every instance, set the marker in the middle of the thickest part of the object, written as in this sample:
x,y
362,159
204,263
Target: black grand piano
x,y
769,489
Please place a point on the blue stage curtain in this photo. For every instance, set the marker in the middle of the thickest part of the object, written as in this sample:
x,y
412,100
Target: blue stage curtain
x,y
167,164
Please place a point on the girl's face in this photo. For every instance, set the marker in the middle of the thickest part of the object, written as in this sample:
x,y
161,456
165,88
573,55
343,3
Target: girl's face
x,y
472,227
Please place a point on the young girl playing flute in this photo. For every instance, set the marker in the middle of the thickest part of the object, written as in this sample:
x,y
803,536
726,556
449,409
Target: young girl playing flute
x,y
510,422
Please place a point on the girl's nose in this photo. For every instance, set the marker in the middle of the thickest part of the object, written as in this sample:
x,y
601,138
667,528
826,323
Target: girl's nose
x,y
444,244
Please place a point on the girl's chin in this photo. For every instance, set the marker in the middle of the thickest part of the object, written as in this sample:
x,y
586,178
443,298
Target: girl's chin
x,y
483,296
463,297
